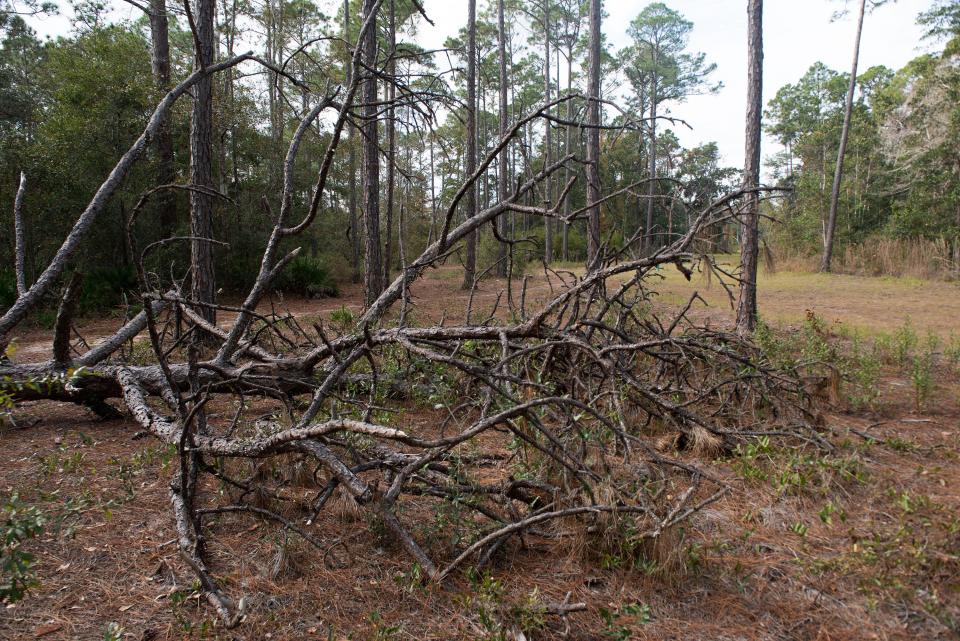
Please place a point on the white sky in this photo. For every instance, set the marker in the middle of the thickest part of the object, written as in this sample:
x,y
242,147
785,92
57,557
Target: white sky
x,y
797,33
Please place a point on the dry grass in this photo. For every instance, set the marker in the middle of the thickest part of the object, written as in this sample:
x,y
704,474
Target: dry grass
x,y
912,257
867,304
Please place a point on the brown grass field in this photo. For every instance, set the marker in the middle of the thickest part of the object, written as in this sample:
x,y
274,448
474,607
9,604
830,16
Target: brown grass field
x,y
861,542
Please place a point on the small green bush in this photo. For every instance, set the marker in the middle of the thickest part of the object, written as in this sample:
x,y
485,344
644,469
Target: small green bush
x,y
6,407
8,289
306,277
19,523
488,252
863,367
905,341
105,287
342,319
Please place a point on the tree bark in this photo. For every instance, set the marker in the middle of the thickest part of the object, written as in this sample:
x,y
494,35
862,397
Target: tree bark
x,y
470,162
593,137
160,67
391,139
201,168
373,283
749,249
548,137
652,159
844,136
568,145
354,222
19,238
503,185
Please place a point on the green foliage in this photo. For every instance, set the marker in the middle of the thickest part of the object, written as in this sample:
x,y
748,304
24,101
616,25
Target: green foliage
x,y
342,319
6,398
488,251
831,510
952,351
796,471
306,277
904,343
904,129
497,618
383,630
8,288
860,363
921,372
113,632
942,19
107,287
20,523
863,374
615,620
747,462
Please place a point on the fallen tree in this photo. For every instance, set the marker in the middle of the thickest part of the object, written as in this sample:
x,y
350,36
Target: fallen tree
x,y
565,409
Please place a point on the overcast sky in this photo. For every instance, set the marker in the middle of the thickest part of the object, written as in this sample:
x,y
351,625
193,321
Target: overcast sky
x,y
797,33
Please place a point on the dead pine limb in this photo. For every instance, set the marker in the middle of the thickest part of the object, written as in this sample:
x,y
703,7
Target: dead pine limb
x,y
552,413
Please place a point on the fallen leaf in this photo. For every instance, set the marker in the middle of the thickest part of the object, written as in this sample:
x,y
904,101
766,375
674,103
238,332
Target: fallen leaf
x,y
124,608
46,628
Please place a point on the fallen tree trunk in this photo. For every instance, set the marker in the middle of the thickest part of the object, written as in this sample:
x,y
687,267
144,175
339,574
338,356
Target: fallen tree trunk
x,y
537,412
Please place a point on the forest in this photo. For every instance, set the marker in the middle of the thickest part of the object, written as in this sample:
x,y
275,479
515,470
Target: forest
x,y
309,330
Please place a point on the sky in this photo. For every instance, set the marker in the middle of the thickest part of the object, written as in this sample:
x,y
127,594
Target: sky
x,y
797,33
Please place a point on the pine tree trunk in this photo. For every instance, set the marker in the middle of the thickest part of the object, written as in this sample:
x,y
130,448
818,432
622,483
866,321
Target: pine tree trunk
x,y
201,169
652,159
844,136
470,162
433,194
568,146
503,185
160,66
548,136
373,268
593,137
353,220
749,249
391,141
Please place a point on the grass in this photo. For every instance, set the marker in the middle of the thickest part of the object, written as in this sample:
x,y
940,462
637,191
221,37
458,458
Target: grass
x,y
929,259
869,305
865,304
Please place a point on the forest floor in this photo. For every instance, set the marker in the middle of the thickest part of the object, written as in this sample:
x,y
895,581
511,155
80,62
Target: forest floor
x,y
862,542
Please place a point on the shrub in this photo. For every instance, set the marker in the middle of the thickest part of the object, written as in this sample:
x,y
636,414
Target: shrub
x,y
6,406
20,523
105,287
306,277
8,289
342,319
488,253
864,366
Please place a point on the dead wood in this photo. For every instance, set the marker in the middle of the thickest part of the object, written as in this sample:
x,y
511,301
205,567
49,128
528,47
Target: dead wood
x,y
546,412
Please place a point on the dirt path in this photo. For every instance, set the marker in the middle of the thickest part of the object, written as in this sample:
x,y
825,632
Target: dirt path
x,y
868,305
436,296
